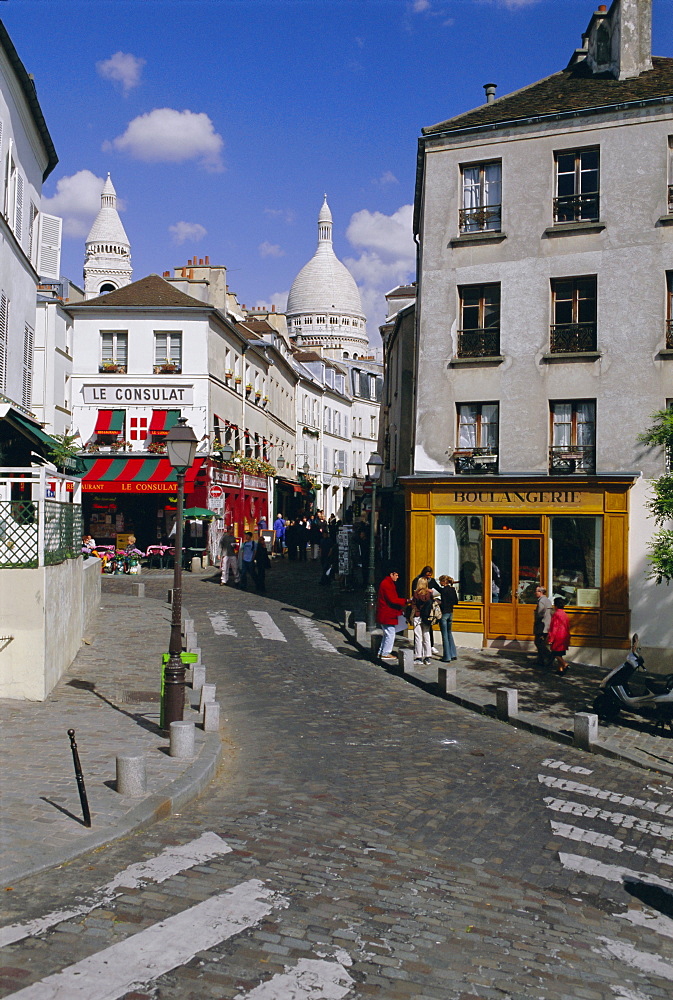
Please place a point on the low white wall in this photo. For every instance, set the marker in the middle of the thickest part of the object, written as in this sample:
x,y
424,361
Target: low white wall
x,y
43,613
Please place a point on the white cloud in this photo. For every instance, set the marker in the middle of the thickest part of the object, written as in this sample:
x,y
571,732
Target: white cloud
x,y
387,258
183,231
278,299
267,249
286,214
77,200
420,6
169,136
123,68
387,177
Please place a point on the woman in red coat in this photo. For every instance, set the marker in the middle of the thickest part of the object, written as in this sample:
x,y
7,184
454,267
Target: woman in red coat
x,y
559,635
389,607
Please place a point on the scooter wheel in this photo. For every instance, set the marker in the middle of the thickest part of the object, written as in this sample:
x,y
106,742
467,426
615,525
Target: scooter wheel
x,y
605,708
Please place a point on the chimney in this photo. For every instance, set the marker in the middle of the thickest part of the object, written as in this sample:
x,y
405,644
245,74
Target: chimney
x,y
184,273
167,274
200,261
207,261
620,39
191,273
273,309
490,89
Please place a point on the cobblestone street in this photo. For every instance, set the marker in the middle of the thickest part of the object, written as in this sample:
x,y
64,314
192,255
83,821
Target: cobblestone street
x,y
362,838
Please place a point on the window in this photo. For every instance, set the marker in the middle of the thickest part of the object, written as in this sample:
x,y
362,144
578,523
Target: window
x,y
28,342
670,174
577,191
373,427
167,353
477,449
573,436
327,420
138,428
669,310
481,211
459,553
13,194
114,350
575,557
4,329
574,310
479,333
337,422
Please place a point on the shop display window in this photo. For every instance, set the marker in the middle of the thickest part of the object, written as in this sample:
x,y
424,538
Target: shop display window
x,y
575,560
459,546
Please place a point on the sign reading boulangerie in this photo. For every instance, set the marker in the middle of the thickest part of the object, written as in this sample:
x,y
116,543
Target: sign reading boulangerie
x,y
148,395
518,496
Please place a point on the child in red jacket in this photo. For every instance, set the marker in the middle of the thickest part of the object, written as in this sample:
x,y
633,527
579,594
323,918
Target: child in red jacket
x,y
559,635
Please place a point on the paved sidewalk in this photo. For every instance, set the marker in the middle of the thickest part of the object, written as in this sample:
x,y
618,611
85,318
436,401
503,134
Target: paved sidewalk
x,y
109,696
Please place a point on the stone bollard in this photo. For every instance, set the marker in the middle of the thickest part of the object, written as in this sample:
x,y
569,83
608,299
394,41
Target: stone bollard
x,y
131,776
447,679
196,564
137,589
347,617
187,625
405,658
211,717
169,596
207,694
182,735
197,652
586,730
360,633
375,644
506,703
191,642
198,676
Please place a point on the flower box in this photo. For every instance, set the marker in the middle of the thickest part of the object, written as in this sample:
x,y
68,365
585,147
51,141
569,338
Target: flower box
x,y
167,369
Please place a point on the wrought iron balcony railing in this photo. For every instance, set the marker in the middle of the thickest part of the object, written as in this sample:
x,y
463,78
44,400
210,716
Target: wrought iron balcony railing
x,y
486,218
670,198
475,460
568,459
572,338
577,207
669,335
478,343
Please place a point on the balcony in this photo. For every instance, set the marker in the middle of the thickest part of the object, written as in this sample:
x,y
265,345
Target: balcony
x,y
577,207
476,461
669,335
479,343
567,460
479,220
572,338
670,198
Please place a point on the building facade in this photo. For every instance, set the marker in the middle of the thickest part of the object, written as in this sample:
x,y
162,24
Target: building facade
x,y
544,345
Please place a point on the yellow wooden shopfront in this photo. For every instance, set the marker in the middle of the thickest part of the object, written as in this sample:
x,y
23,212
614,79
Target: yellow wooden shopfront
x,y
500,539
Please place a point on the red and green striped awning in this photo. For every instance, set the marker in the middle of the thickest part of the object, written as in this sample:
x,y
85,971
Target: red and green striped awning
x,y
109,422
163,420
144,474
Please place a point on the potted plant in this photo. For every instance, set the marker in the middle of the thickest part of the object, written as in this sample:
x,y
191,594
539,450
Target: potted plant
x,y
228,373
157,447
119,445
238,380
110,367
167,367
248,387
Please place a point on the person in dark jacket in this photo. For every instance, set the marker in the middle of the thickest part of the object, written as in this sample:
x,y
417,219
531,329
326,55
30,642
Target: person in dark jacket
x,y
543,613
326,553
428,573
262,563
389,606
449,599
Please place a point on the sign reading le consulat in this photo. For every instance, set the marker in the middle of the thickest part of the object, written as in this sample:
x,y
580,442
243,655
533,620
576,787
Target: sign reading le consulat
x,y
153,395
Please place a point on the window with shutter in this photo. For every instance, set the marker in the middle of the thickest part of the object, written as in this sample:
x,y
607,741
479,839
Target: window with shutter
x,y
4,319
49,246
28,344
18,208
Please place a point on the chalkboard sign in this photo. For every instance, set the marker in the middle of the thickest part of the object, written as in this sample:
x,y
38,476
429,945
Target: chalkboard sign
x,y
268,536
344,548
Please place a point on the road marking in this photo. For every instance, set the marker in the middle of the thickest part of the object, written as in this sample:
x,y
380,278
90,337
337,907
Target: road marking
x,y
220,622
642,960
315,637
565,767
606,842
658,923
145,956
618,819
266,626
565,785
611,873
171,861
310,978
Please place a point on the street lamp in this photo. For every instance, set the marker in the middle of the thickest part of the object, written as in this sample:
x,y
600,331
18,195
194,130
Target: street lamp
x,y
181,448
374,467
227,453
280,461
306,468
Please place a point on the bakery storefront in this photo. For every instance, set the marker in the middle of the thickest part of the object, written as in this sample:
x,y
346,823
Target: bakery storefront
x,y
499,540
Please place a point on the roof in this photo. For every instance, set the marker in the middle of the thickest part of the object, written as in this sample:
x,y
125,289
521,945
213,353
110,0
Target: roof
x,y
28,87
573,89
258,326
149,291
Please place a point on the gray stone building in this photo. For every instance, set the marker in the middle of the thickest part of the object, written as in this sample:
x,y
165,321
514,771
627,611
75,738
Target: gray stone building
x,y
544,326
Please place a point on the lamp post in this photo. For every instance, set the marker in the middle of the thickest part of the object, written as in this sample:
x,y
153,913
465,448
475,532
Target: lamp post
x,y
181,448
374,467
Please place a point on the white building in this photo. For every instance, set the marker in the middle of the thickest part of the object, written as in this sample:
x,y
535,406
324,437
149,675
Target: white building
x,y
107,263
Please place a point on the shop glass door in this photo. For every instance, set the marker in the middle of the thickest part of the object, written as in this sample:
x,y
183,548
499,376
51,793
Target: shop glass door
x,y
515,572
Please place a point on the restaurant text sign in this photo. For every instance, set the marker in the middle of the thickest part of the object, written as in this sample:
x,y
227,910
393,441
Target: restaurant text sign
x,y
154,395
115,486
518,496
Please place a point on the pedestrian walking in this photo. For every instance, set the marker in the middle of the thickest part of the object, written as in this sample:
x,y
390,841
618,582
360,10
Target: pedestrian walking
x,y
315,534
421,608
279,528
326,553
302,538
543,613
246,560
291,539
389,606
559,635
228,560
262,563
449,599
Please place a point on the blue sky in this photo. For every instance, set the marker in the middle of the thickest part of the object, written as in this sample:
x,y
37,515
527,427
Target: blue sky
x,y
222,122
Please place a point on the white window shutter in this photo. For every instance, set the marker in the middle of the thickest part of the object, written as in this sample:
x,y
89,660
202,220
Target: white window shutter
x,y
49,252
28,346
4,322
18,211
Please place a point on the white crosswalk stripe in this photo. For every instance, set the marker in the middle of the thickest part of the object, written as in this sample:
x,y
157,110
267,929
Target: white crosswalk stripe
x,y
313,979
266,626
143,957
221,624
171,861
315,637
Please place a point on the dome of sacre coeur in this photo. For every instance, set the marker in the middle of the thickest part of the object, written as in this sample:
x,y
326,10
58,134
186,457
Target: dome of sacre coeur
x,y
324,284
107,226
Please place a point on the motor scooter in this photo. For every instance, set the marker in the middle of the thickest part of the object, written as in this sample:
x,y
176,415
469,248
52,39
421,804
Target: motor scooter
x,y
646,695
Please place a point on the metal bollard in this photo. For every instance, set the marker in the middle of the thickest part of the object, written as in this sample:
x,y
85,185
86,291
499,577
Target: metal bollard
x,y
207,694
131,776
506,703
447,679
585,730
182,740
80,779
211,717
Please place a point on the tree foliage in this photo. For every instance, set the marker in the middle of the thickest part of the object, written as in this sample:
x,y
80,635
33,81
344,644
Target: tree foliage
x,y
660,503
65,449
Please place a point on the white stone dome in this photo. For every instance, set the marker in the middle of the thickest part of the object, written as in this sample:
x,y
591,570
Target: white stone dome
x,y
107,226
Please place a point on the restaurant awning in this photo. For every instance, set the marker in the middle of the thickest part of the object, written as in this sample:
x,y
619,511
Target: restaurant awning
x,y
163,420
109,422
141,474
